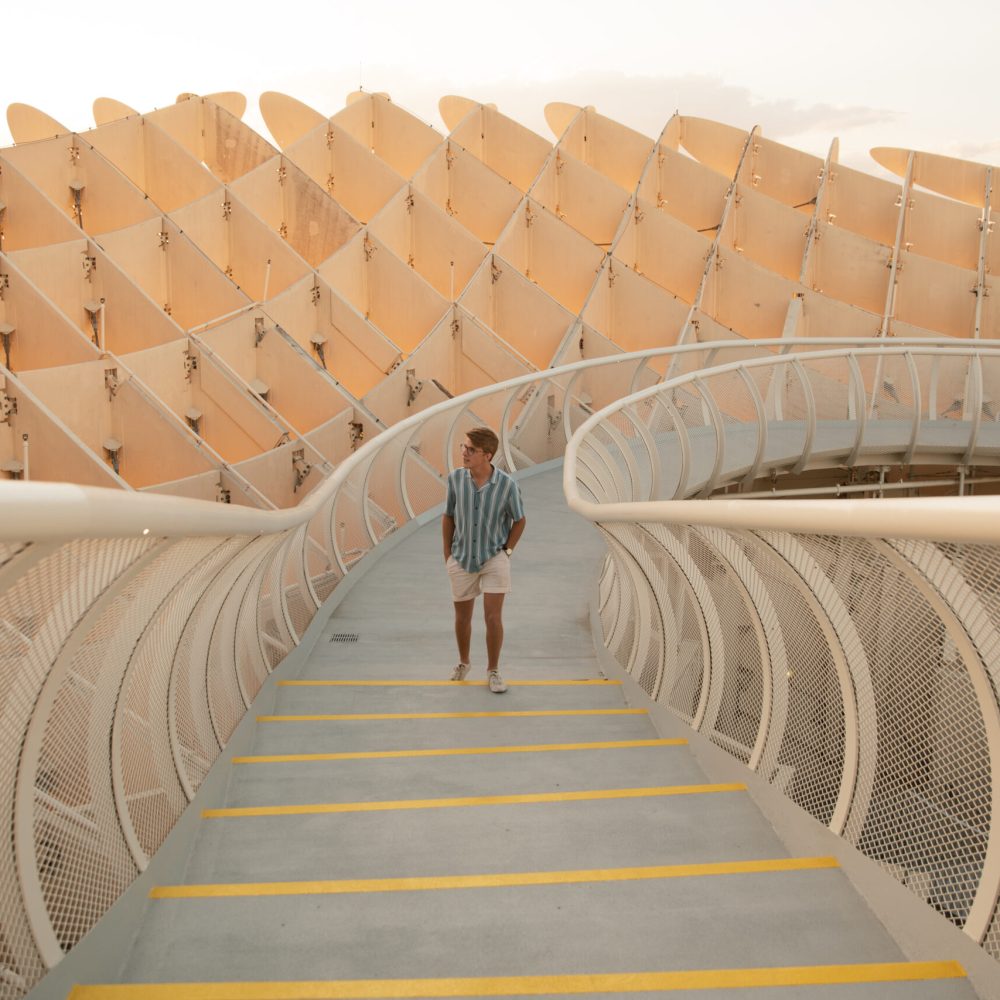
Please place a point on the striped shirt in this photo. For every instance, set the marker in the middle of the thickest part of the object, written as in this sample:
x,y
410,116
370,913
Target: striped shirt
x,y
482,516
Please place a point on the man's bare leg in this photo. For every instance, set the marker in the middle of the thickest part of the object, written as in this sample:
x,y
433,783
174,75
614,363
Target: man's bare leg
x,y
493,612
463,628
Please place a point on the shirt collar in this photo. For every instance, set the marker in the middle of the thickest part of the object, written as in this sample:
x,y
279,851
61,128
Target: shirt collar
x,y
494,477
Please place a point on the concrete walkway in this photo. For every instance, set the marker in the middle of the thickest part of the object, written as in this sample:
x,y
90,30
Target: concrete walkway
x,y
544,869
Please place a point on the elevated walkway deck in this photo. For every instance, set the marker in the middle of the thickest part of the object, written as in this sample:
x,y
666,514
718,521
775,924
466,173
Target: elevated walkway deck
x,y
394,836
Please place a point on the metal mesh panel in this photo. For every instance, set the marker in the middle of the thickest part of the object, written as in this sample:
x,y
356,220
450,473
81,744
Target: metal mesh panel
x,y
272,629
648,660
684,666
738,718
226,702
991,940
298,602
810,760
151,780
348,520
609,598
251,661
197,737
38,615
927,818
621,635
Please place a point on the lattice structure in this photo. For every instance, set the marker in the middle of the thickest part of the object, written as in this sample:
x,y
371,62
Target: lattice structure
x,y
187,308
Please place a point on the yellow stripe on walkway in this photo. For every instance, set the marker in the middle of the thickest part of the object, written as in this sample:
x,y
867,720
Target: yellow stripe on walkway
x,y
522,986
294,758
491,881
348,683
372,716
479,800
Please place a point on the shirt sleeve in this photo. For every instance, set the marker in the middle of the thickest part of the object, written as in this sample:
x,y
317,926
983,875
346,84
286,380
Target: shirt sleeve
x,y
449,507
515,505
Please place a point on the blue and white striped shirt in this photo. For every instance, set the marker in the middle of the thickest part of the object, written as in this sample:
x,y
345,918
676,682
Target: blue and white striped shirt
x,y
482,516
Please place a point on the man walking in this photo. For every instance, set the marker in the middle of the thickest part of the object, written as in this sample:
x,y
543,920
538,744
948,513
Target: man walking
x,y
482,523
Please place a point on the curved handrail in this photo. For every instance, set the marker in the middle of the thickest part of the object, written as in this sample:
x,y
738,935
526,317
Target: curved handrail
x,y
896,626
44,510
917,517
205,600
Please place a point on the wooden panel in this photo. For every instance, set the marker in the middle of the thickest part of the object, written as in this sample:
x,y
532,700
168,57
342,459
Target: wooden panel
x,y
177,275
612,149
108,200
587,200
57,454
519,312
466,189
826,317
30,218
43,336
685,189
769,233
237,242
287,119
785,174
943,229
385,290
936,296
552,254
214,136
359,180
963,180
274,475
130,320
747,298
633,312
302,394
665,250
504,145
444,253
863,204
153,162
355,352
394,135
715,145
849,267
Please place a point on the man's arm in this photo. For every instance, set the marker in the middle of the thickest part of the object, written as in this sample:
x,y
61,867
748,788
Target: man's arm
x,y
516,530
447,533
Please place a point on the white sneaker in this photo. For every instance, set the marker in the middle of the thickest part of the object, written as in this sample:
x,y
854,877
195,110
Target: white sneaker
x,y
497,685
458,674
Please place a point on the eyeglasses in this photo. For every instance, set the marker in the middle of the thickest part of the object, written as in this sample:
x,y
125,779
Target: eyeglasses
x,y
468,449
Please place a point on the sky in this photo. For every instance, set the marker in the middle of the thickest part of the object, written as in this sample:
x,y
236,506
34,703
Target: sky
x,y
919,75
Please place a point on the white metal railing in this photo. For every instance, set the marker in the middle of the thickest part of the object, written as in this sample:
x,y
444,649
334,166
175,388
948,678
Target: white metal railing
x,y
136,629
847,651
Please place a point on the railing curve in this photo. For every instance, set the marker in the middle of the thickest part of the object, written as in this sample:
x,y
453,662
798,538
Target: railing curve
x,y
136,629
846,650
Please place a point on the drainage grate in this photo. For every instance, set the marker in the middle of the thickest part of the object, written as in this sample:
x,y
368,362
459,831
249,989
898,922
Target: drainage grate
x,y
344,637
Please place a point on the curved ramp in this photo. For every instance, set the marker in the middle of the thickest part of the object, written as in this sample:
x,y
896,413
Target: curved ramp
x,y
391,835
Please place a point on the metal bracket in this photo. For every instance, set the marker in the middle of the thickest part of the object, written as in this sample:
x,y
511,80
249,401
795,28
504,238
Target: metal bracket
x,y
8,407
413,385
357,430
190,364
300,467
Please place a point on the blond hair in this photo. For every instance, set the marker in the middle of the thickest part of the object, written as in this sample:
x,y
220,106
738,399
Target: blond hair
x,y
484,439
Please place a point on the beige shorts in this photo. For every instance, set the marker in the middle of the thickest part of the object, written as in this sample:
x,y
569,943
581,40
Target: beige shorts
x,y
493,578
